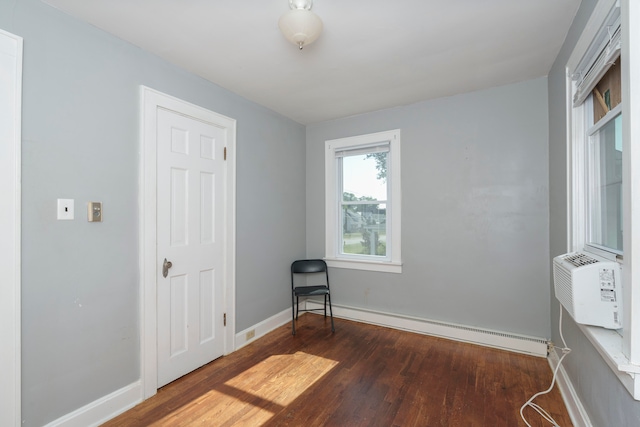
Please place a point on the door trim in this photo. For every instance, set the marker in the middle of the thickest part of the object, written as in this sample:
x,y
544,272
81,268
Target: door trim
x,y
151,100
10,229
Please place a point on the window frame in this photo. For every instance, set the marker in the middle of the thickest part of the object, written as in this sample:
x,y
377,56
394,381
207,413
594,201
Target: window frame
x,y
621,351
392,263
579,127
342,203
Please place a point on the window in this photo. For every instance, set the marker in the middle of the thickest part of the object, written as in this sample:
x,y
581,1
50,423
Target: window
x,y
362,177
597,179
603,166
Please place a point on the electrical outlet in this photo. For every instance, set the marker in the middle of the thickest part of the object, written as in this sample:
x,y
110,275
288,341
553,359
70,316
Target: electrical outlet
x,y
65,209
250,334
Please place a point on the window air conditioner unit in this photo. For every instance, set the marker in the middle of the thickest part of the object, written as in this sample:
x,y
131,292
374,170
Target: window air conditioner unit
x,y
589,288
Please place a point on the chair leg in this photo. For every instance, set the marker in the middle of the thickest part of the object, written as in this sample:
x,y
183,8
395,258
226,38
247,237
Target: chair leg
x,y
293,316
325,305
333,329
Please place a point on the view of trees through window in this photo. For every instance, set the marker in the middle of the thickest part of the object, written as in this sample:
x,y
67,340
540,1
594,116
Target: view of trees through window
x,y
364,208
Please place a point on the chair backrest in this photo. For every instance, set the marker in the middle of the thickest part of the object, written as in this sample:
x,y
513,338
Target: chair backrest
x,y
309,266
303,266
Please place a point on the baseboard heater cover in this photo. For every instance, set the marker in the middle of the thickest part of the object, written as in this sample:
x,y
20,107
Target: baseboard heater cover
x,y
486,337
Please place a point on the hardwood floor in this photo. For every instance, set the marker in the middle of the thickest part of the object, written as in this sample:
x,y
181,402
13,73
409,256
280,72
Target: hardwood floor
x,y
362,375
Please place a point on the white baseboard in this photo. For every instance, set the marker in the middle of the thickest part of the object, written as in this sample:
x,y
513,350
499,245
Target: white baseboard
x,y
103,409
488,338
578,414
263,328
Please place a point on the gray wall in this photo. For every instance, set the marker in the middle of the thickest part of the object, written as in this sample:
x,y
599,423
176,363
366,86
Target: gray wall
x,y
475,210
607,401
80,281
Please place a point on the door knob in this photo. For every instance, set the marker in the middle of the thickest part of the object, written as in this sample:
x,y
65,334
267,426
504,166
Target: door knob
x,y
166,265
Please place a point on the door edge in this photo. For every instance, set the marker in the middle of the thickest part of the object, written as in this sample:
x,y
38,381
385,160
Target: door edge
x,y
10,229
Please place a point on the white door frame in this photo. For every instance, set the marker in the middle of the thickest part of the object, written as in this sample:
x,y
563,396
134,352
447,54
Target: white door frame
x,y
10,227
151,100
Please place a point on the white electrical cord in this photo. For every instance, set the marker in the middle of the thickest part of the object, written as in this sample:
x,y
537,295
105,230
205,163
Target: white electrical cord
x,y
565,350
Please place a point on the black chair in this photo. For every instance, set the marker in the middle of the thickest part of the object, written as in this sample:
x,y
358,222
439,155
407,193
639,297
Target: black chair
x,y
309,267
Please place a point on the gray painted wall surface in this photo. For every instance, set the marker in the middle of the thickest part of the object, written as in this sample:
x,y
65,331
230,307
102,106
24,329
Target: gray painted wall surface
x,y
80,338
475,210
474,185
607,401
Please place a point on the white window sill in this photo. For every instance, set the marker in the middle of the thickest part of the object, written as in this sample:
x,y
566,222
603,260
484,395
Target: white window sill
x,y
384,267
609,344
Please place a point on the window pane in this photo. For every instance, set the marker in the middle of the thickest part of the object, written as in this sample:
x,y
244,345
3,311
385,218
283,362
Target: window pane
x,y
364,229
605,181
364,177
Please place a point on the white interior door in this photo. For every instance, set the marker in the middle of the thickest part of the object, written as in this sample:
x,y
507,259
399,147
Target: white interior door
x,y
190,236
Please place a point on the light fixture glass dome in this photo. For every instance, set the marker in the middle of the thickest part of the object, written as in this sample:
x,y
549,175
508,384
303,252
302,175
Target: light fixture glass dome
x,y
299,25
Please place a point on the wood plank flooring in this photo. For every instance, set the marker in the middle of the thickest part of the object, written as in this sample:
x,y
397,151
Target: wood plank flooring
x,y
362,375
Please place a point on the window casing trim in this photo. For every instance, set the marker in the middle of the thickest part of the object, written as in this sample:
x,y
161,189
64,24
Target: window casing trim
x,y
392,263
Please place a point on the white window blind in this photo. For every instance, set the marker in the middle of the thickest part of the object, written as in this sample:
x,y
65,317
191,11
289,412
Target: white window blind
x,y
381,147
600,56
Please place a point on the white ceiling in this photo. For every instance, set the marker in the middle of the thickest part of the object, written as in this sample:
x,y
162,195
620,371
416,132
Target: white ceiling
x,y
372,54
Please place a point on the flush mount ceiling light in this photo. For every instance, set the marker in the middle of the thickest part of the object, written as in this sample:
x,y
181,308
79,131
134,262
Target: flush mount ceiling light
x,y
299,25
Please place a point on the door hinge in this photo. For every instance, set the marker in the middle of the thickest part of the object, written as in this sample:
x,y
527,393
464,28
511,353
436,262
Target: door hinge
x,y
225,153
225,315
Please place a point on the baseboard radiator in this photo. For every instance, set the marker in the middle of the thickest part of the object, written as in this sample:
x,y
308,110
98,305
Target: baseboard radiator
x,y
485,337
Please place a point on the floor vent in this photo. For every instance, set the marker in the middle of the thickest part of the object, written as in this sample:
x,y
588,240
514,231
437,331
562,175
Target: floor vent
x,y
490,332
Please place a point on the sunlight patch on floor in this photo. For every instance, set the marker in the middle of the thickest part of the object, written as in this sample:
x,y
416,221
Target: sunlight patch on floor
x,y
281,379
254,396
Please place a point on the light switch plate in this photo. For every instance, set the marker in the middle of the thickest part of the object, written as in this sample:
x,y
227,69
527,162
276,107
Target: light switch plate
x,y
65,209
94,212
